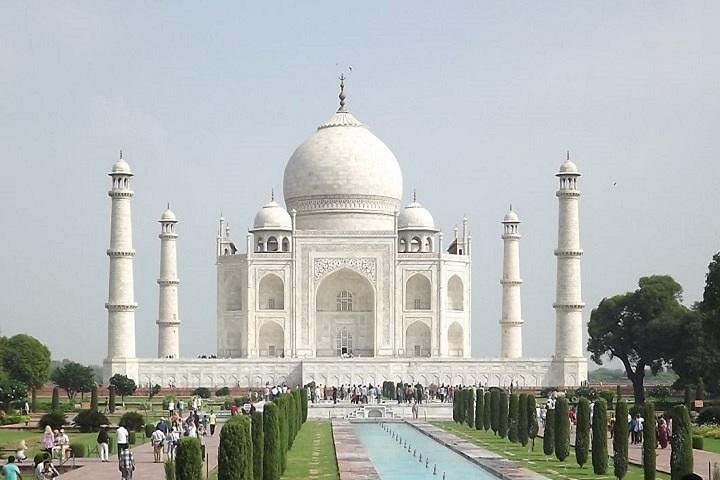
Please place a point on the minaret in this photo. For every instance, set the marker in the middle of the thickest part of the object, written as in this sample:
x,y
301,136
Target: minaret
x,y
121,297
168,319
568,301
511,321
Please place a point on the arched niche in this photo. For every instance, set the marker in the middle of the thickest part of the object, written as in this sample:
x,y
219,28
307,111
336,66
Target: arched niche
x,y
455,340
455,294
417,340
271,293
271,340
418,293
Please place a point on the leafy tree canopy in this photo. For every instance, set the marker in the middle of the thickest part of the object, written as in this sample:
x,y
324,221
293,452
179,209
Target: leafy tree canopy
x,y
124,386
634,327
26,360
11,391
73,377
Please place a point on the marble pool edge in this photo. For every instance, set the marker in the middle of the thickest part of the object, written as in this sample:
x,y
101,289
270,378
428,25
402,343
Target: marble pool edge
x,y
352,460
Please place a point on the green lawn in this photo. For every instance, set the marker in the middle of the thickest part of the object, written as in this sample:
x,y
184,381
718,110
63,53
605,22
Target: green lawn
x,y
301,454
711,445
535,460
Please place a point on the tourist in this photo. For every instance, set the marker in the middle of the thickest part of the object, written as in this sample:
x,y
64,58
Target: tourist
x,y
63,442
126,463
171,408
170,441
45,470
48,440
663,433
122,438
27,408
158,439
162,425
10,471
415,410
212,421
103,441
180,407
21,451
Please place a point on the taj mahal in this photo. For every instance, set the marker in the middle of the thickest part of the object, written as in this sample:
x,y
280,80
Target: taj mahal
x,y
344,284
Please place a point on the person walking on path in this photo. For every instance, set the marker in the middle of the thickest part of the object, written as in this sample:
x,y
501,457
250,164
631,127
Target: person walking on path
x,y
158,439
126,464
213,422
10,471
122,439
103,441
663,433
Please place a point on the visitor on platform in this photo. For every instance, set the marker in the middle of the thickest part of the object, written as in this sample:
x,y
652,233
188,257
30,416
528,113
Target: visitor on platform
x,y
21,451
212,421
126,464
158,439
122,438
10,471
48,440
415,411
45,470
103,441
171,408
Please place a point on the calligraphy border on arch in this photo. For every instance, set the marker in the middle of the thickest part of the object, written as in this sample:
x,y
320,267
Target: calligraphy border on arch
x,y
366,266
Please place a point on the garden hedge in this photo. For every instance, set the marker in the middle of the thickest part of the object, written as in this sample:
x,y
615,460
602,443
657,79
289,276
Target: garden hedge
x,y
620,440
79,449
599,438
271,433
258,443
90,420
513,418
562,429
188,459
582,432
681,454
235,452
523,433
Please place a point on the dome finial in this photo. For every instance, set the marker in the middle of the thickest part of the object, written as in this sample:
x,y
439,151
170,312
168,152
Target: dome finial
x,y
342,96
120,154
511,207
168,206
414,195
272,194
567,156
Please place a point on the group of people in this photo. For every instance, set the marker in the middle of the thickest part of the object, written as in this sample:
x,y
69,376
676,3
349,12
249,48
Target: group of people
x,y
53,442
44,470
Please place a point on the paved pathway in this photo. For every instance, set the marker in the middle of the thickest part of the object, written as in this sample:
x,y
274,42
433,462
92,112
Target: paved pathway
x,y
353,463
145,467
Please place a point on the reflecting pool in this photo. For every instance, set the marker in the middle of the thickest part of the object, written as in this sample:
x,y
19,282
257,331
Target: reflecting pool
x,y
400,452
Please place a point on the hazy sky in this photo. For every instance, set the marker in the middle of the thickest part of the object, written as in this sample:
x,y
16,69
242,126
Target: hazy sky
x,y
478,101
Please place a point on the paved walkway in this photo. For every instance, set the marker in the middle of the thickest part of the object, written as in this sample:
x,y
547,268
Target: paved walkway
x,y
353,463
145,467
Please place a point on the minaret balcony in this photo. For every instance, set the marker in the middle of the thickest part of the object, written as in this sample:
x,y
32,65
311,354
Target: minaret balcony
x,y
565,193
120,253
511,283
568,307
568,253
168,282
121,307
121,193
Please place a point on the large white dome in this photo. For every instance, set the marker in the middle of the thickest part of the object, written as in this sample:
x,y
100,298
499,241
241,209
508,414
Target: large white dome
x,y
342,168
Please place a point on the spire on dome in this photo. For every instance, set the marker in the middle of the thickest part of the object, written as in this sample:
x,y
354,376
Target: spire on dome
x,y
414,196
272,194
120,154
342,96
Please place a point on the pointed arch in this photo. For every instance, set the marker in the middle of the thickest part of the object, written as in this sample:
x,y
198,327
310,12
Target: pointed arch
x,y
418,293
456,294
271,340
271,293
455,340
417,340
272,244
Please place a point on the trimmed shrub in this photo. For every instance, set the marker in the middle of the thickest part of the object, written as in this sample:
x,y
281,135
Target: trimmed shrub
x,y
149,429
562,429
522,425
608,396
133,421
79,449
283,424
620,440
582,432
697,442
495,410
513,418
202,392
222,392
90,420
235,452
599,438
56,419
470,408
681,455
549,435
649,442
169,470
258,443
487,413
533,427
503,414
111,399
709,415
456,401
55,405
271,452
479,406
94,398
188,459
292,419
304,403
132,438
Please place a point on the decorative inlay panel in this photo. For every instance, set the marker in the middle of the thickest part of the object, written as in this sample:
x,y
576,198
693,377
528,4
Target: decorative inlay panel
x,y
363,265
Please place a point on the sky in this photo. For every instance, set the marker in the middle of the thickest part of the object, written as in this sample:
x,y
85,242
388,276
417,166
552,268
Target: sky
x,y
479,101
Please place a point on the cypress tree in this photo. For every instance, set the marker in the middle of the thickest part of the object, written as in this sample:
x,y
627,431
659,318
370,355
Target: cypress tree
x,y
479,406
282,408
258,444
582,432
513,418
303,404
292,419
470,411
486,411
55,403
503,414
495,410
533,427
235,452
562,429
111,399
620,440
298,408
681,455
456,402
94,398
649,442
523,434
599,438
188,460
271,453
549,435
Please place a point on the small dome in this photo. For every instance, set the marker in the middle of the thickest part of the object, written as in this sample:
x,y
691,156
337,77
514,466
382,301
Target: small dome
x,y
272,216
415,217
121,166
568,166
168,216
511,217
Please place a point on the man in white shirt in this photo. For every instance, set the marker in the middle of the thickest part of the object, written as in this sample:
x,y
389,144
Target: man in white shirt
x,y
122,439
158,439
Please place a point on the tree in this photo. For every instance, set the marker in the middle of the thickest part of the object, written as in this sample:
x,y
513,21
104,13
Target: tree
x,y
271,431
562,429
582,432
55,399
154,391
479,407
235,452
533,427
123,385
620,440
11,392
681,454
111,399
503,415
522,426
73,378
283,423
94,397
634,328
487,414
188,459
513,418
470,408
258,443
26,360
599,438
649,443
304,403
549,434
